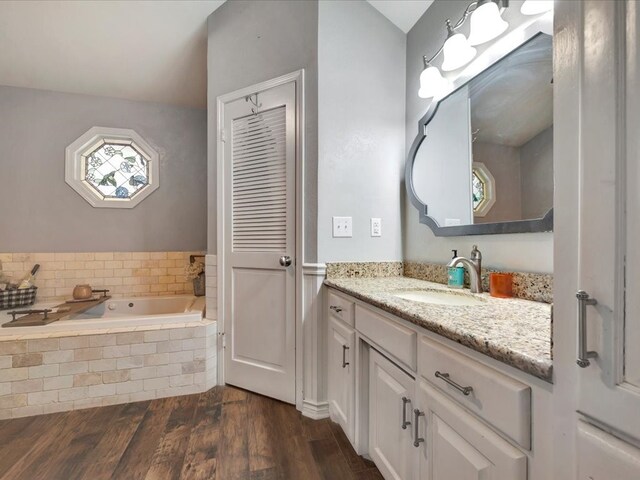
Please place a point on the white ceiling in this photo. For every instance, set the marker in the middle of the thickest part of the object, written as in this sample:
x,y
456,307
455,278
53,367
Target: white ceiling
x,y
140,50
403,13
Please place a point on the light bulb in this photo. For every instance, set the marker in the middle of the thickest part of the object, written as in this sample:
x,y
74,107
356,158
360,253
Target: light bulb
x,y
432,84
486,23
536,7
457,52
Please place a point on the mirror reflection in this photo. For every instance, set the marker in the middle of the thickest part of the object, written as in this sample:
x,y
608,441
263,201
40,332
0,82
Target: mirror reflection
x,y
488,152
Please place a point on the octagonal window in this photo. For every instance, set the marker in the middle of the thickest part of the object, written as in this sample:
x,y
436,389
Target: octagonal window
x,y
483,189
112,167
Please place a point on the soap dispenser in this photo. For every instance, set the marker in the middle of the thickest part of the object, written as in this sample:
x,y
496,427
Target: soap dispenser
x,y
456,274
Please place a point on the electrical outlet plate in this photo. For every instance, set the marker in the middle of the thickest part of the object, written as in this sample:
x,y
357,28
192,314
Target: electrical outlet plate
x,y
376,227
342,227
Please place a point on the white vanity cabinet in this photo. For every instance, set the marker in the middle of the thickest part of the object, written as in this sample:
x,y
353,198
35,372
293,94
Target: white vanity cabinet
x,y
391,404
415,424
341,367
456,445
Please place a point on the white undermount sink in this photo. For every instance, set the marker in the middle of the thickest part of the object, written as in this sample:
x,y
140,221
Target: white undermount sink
x,y
439,298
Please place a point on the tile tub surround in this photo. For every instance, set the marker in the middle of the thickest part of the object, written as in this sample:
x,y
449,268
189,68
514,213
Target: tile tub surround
x,y
123,273
514,331
61,372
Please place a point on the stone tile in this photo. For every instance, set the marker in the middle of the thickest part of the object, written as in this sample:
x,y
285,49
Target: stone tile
x,y
86,379
57,383
102,390
70,343
143,373
14,374
74,367
116,351
94,353
115,399
102,340
6,361
130,362
116,376
180,334
102,365
169,346
156,336
13,401
42,398
72,394
170,370
44,371
5,388
13,347
27,411
156,383
129,338
43,344
58,356
28,386
87,403
181,380
57,407
143,348
27,360
130,387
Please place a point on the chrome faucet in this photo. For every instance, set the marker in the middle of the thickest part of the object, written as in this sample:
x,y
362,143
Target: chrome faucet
x,y
474,266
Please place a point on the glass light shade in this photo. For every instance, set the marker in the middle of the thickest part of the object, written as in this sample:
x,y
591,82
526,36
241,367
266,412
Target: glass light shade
x,y
486,23
457,52
432,84
536,7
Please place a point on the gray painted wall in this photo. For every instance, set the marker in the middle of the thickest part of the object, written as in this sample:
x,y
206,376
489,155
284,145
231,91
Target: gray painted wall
x,y
250,42
528,252
361,81
536,157
41,213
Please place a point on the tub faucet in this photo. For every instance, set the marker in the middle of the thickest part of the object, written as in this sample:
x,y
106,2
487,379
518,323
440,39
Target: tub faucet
x,y
474,266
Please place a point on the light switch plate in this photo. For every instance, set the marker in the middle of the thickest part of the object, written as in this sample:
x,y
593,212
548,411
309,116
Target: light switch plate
x,y
376,227
342,227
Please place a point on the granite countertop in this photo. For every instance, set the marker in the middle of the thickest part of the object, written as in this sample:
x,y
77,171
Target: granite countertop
x,y
514,331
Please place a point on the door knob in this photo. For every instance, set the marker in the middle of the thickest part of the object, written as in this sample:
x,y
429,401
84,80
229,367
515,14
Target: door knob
x,y
285,260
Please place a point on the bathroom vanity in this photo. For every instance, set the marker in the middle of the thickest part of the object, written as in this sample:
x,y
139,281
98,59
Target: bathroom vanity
x,y
437,384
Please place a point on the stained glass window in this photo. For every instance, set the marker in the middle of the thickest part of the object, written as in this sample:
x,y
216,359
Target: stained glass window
x,y
116,170
479,190
112,167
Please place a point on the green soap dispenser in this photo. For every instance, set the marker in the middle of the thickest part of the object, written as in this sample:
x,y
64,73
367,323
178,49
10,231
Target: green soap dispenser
x,y
456,274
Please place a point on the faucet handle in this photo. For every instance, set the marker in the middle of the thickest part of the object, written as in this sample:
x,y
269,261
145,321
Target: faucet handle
x,y
475,253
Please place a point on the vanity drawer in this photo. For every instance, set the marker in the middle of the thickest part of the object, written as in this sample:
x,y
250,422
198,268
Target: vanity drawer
x,y
396,339
341,308
501,401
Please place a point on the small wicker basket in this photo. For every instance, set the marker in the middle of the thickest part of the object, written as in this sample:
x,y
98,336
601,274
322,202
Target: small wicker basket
x,y
17,298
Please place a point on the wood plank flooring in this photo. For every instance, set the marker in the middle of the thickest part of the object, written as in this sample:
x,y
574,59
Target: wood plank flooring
x,y
223,434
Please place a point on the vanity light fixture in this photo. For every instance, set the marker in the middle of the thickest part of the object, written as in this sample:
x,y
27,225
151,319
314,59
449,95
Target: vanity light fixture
x,y
432,83
486,24
536,7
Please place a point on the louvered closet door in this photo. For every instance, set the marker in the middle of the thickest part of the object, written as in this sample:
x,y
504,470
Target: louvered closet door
x,y
259,219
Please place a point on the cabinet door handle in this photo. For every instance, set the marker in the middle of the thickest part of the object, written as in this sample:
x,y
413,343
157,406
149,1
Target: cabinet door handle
x,y
335,308
344,356
416,418
583,354
460,388
405,422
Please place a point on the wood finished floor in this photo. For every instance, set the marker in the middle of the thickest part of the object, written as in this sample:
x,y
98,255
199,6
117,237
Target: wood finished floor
x,y
223,434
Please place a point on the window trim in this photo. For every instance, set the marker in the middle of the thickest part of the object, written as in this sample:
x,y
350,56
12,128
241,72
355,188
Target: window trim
x,y
74,166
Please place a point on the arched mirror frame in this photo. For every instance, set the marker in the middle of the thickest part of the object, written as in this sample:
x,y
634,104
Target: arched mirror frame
x,y
489,57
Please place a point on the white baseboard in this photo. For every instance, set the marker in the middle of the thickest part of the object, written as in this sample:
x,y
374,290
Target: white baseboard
x,y
315,411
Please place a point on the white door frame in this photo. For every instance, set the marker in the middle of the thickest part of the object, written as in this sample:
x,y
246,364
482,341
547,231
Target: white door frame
x,y
298,78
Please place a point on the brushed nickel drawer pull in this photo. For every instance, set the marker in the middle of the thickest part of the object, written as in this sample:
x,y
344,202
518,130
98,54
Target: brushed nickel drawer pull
x,y
344,356
460,388
416,417
405,422
583,354
335,308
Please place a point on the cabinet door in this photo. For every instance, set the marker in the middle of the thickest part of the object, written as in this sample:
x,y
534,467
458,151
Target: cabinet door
x,y
341,378
390,445
458,446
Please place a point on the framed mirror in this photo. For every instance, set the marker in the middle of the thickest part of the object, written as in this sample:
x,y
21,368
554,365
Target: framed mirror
x,y
483,160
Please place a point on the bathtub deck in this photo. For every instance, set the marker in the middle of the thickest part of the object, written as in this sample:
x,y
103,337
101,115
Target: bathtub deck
x,y
223,434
